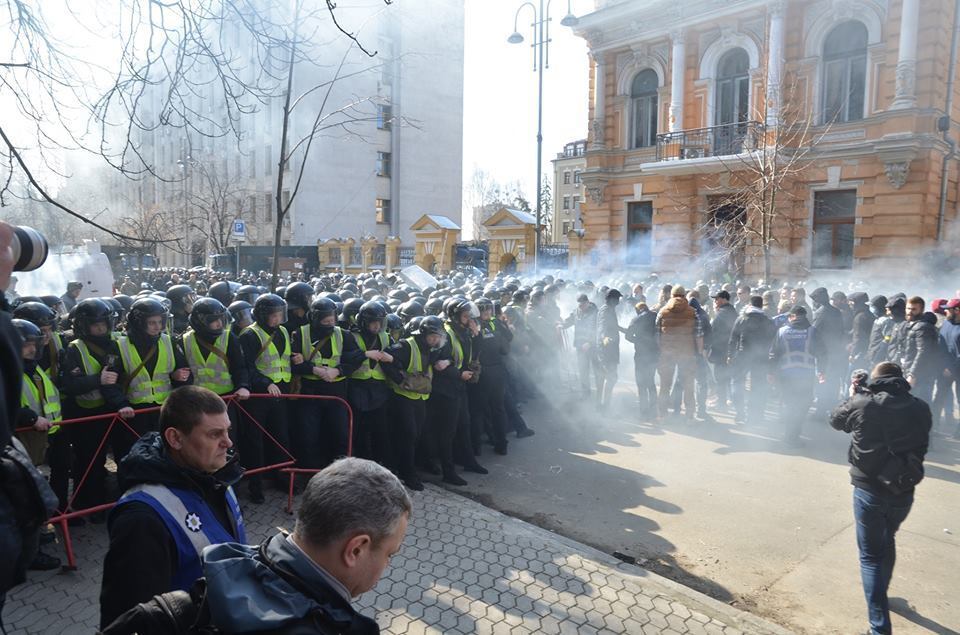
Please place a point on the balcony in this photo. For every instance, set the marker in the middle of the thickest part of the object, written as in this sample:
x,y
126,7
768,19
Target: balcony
x,y
717,141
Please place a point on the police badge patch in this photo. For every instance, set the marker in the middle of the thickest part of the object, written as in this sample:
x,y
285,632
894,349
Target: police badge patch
x,y
192,521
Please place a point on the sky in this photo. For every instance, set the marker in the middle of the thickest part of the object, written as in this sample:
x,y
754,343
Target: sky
x,y
500,91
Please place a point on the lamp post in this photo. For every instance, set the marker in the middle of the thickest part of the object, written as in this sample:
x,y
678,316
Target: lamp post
x,y
541,60
185,164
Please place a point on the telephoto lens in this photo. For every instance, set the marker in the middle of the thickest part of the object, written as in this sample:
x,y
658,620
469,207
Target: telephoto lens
x,y
29,249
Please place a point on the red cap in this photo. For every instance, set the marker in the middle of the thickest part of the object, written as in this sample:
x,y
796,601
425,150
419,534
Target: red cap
x,y
952,304
937,305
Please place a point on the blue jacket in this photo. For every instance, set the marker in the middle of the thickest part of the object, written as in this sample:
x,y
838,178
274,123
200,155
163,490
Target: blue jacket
x,y
276,588
950,341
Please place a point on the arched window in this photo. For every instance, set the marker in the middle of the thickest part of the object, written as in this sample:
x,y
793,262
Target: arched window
x,y
643,100
733,87
845,72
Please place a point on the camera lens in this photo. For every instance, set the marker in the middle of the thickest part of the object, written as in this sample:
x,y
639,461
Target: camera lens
x,y
29,249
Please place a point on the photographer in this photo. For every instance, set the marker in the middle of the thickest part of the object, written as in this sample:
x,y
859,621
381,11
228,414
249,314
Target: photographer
x,y
890,431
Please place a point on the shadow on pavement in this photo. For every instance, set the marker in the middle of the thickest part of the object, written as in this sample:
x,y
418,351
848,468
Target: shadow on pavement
x,y
902,608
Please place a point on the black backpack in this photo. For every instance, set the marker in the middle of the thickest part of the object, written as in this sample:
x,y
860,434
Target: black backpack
x,y
175,612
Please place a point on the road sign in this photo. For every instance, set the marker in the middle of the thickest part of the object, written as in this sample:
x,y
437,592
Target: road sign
x,y
239,230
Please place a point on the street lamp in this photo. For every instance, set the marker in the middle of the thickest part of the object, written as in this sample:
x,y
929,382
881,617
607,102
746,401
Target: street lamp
x,y
541,60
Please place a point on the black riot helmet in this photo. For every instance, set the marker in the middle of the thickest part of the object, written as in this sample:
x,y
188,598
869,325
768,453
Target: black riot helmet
x,y
181,299
247,293
299,295
459,305
241,312
394,323
141,310
36,313
206,312
399,295
268,304
413,326
125,301
320,309
221,292
410,310
30,333
484,304
434,306
55,303
431,325
371,312
118,310
88,312
350,309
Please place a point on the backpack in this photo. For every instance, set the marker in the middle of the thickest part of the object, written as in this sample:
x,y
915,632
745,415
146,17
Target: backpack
x,y
170,613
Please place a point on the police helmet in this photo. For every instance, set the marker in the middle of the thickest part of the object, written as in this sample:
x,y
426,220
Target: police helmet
x,y
241,311
30,333
221,291
141,310
434,306
90,311
181,298
410,310
299,296
320,309
207,311
371,312
36,313
268,304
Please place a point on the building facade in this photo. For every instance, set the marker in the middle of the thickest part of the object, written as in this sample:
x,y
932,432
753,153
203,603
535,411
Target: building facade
x,y
769,137
568,189
388,149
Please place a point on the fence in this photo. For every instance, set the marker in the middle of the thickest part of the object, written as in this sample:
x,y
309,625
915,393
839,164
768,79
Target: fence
x,y
700,143
288,466
554,256
406,256
334,256
378,256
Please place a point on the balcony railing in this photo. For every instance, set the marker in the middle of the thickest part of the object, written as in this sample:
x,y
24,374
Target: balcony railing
x,y
733,138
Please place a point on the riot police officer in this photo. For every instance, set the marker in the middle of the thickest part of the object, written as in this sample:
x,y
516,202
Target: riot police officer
x,y
410,375
152,367
323,356
182,298
368,390
214,352
266,347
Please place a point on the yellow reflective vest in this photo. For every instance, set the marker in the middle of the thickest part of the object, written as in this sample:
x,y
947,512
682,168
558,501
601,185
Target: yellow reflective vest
x,y
336,348
365,372
43,397
270,362
145,388
414,366
94,398
210,371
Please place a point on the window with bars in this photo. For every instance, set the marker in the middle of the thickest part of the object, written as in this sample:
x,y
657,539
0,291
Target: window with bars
x,y
834,219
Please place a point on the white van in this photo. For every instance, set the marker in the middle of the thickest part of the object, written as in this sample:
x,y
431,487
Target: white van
x,y
86,264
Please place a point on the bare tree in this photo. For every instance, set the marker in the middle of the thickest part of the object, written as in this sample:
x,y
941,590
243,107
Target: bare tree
x,y
214,200
146,226
183,50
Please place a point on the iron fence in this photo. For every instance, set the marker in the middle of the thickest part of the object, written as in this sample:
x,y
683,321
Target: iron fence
x,y
699,143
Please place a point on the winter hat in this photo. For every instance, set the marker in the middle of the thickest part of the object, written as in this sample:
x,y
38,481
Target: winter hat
x,y
820,295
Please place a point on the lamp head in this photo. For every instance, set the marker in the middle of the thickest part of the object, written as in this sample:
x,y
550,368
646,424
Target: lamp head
x,y
570,20
515,38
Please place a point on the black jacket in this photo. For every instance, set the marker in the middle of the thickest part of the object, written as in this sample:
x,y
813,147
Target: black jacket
x,y
642,333
860,333
584,325
74,381
881,335
888,413
828,323
720,329
449,381
142,557
922,356
11,374
494,343
751,337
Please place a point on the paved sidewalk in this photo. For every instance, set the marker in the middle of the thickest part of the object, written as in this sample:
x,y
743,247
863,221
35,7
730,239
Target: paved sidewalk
x,y
463,568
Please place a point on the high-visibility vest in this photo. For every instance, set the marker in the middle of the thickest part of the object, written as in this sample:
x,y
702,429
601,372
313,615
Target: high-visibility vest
x,y
270,363
94,398
55,345
46,404
191,524
365,372
456,346
414,366
212,371
144,388
336,348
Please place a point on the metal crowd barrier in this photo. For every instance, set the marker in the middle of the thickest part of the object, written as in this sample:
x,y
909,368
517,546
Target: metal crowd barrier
x,y
63,518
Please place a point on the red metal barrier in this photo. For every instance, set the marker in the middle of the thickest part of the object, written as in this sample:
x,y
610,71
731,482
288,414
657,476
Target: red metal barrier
x,y
62,519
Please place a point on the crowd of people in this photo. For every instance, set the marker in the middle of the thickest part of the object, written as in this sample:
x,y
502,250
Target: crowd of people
x,y
432,374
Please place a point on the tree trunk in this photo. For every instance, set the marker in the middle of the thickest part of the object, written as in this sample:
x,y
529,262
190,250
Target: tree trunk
x,y
285,133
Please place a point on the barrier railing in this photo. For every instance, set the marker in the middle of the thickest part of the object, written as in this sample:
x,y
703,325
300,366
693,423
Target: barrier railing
x,y
63,518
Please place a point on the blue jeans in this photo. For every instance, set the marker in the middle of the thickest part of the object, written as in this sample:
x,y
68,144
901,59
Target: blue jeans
x,y
878,518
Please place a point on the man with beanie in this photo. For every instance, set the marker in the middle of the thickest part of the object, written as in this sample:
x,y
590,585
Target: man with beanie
x,y
861,325
642,333
890,432
750,341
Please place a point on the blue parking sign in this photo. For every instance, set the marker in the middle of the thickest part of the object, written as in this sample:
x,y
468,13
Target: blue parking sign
x,y
239,228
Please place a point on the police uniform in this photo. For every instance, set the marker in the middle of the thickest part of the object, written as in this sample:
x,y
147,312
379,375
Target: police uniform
x,y
369,396
487,413
322,432
409,408
268,362
38,398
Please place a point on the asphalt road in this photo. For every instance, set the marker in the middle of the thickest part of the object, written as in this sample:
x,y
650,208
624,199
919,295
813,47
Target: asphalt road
x,y
729,510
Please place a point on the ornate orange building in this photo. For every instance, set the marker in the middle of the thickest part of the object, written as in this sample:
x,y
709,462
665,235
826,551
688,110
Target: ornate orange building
x,y
687,97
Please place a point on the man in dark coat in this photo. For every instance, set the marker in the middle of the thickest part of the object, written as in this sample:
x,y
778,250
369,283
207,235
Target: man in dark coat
x,y
921,356
584,322
642,333
891,313
608,346
750,341
861,327
828,323
883,419
718,352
